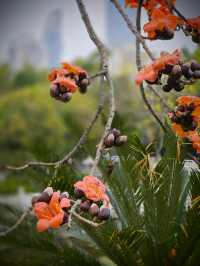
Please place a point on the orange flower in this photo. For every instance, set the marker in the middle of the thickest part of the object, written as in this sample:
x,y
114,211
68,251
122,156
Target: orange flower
x,y
66,83
131,3
194,23
93,189
50,215
73,69
161,19
187,100
177,128
151,5
151,72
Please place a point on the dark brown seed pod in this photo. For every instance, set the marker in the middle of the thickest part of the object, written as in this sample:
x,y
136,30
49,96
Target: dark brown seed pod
x,y
121,140
176,71
66,97
94,209
65,218
85,205
64,195
181,108
196,38
35,199
78,193
185,68
196,74
49,190
104,214
109,140
45,197
179,87
168,69
195,65
116,132
167,88
54,90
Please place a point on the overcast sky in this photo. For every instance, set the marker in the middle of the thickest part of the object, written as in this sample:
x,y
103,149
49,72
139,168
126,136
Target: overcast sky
x,y
19,17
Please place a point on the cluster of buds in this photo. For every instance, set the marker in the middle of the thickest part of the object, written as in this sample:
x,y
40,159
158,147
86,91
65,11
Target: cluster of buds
x,y
183,116
51,208
114,138
186,120
66,80
54,209
94,201
181,74
192,28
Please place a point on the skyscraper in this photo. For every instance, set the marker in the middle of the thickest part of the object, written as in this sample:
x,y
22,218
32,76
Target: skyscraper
x,y
53,38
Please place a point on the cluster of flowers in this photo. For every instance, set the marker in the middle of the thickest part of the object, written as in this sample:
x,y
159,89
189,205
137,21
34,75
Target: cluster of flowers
x,y
94,199
192,28
52,208
66,80
114,138
178,73
163,23
186,120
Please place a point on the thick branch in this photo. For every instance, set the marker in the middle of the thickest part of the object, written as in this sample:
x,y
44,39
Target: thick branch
x,y
93,36
104,55
132,28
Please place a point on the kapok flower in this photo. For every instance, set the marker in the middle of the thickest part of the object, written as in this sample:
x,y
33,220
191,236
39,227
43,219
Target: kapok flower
x,y
151,72
92,188
131,3
50,215
162,21
194,23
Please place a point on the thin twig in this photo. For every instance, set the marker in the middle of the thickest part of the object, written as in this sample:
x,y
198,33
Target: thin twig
x,y
81,141
132,28
19,221
139,66
73,209
104,55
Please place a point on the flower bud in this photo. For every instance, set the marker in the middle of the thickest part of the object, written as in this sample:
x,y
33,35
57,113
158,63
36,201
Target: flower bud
x,y
49,190
45,197
54,90
66,97
195,65
78,193
83,84
104,214
85,205
64,195
116,132
94,209
176,71
35,199
121,140
65,218
196,74
109,140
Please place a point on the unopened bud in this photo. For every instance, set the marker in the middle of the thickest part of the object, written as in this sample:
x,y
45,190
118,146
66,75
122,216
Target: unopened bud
x,y
94,209
121,140
109,140
104,214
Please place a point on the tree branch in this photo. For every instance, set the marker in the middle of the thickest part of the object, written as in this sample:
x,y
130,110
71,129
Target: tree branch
x,y
104,55
19,221
139,66
132,28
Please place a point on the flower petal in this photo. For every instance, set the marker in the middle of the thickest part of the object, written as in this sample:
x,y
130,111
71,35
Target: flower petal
x,y
57,220
65,203
42,225
42,211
